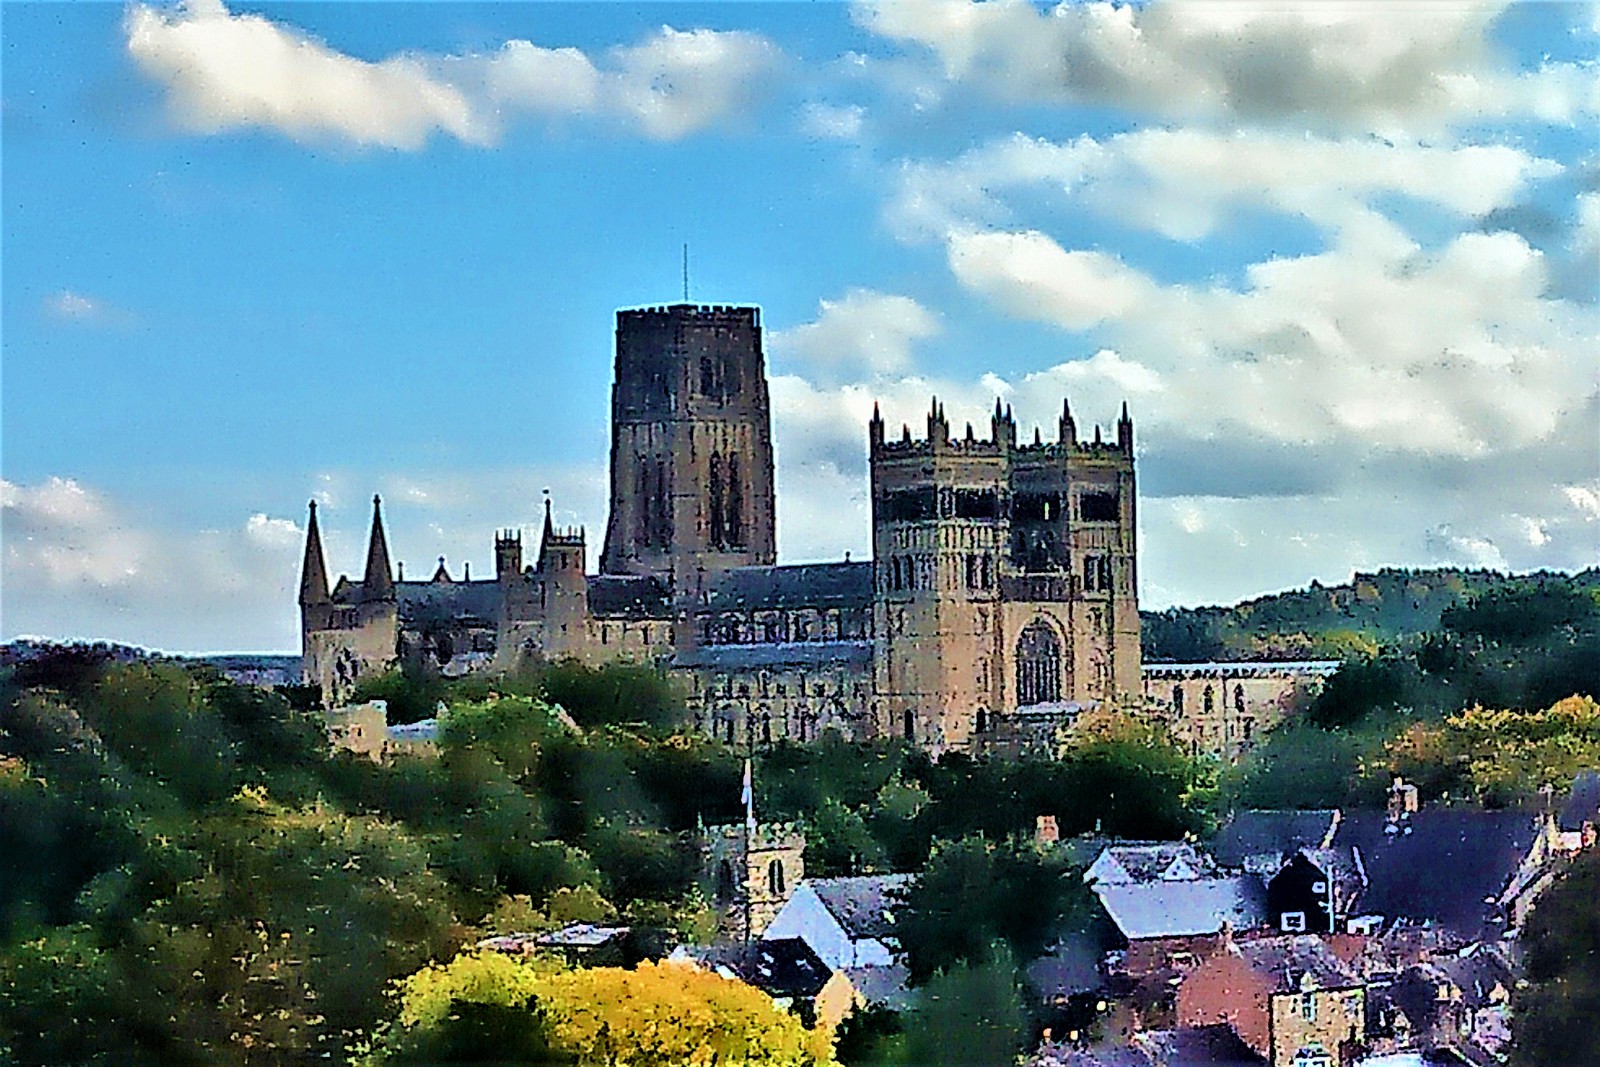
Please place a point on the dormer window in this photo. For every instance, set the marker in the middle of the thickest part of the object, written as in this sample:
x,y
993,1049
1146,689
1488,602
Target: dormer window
x,y
1294,922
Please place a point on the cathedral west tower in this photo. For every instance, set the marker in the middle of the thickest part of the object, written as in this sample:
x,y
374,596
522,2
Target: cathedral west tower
x,y
691,445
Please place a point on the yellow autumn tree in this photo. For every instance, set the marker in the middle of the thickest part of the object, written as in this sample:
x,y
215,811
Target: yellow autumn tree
x,y
656,1015
1501,755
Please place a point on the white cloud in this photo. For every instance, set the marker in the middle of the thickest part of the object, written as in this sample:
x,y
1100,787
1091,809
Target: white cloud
x,y
1585,499
1363,66
69,305
832,122
226,71
1185,183
1031,276
864,331
679,82
80,565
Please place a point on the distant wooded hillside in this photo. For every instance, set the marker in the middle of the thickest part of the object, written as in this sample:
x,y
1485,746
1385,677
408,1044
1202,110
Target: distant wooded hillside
x,y
1334,621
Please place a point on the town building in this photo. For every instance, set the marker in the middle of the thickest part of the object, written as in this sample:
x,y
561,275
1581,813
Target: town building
x,y
1291,999
1000,598
1224,709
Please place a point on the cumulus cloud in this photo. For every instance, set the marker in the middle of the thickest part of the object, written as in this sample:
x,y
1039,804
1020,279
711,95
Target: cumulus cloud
x,y
1031,276
1187,183
225,71
1363,66
864,331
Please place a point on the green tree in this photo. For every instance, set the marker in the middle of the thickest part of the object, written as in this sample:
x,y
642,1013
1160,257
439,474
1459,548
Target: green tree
x,y
966,902
1553,1016
969,1014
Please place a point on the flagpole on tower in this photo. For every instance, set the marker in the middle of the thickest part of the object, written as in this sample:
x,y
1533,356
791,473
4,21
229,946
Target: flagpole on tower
x,y
747,796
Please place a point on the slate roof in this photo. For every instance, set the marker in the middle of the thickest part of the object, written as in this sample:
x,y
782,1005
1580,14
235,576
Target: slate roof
x,y
1184,909
1200,1046
1287,959
1257,833
863,904
1439,865
1072,968
776,654
803,585
786,967
419,601
1583,803
628,596
888,984
1147,861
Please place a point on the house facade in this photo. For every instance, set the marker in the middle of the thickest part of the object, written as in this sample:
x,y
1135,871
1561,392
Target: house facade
x,y
1290,999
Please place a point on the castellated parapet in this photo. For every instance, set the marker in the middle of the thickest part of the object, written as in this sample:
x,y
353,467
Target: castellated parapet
x,y
1005,581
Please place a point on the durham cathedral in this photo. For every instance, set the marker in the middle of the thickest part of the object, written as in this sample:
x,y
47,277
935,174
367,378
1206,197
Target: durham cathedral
x,y
1000,599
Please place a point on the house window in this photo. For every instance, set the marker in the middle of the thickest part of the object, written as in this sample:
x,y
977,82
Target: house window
x,y
1294,922
1319,887
775,883
1209,698
1308,1007
910,725
1312,1055
1177,699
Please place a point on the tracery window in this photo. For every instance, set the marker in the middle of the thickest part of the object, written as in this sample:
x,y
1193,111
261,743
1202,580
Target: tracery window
x,y
1038,665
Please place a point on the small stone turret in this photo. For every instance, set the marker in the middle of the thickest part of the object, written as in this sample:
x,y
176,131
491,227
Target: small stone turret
x,y
1002,427
507,554
1067,429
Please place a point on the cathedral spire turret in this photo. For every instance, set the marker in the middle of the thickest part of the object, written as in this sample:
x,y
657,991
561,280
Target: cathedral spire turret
x,y
378,582
314,570
1068,429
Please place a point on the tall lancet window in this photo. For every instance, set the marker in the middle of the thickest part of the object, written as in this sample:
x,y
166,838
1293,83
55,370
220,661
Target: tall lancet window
x,y
641,522
735,508
1038,665
718,530
662,505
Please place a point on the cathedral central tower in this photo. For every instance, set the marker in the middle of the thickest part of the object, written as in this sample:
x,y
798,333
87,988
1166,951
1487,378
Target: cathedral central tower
x,y
691,444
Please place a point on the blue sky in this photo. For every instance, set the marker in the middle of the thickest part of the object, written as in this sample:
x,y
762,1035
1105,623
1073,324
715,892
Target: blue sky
x,y
1341,261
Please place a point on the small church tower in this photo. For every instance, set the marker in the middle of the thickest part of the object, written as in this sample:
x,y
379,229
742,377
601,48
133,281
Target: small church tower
x,y
751,872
